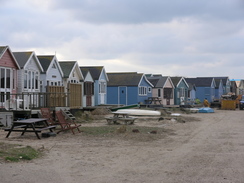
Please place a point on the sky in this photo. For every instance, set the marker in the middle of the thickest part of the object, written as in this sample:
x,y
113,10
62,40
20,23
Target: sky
x,y
190,38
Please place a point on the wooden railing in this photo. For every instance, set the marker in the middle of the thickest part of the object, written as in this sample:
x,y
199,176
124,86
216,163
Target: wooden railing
x,y
26,101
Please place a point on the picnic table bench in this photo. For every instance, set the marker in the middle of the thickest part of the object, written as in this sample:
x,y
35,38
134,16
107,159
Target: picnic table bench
x,y
120,116
153,100
34,125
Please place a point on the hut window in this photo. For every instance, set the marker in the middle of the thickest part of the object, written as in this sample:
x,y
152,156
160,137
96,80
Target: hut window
x,y
102,87
8,78
88,88
2,96
182,92
168,94
159,92
142,90
33,80
2,78
36,81
14,76
25,79
29,79
149,90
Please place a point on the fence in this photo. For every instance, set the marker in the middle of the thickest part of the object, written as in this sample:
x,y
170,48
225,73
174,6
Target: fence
x,y
26,101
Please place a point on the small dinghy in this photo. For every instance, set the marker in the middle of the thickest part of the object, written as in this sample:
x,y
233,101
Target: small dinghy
x,y
205,110
140,112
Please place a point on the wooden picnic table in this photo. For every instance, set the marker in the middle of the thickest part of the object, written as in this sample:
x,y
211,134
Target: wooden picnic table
x,y
153,100
33,125
122,116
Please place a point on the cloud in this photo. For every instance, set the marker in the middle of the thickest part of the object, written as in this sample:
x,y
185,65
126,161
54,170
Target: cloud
x,y
172,37
144,11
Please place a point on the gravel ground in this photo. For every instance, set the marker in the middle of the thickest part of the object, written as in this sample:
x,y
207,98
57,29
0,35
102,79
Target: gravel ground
x,y
204,148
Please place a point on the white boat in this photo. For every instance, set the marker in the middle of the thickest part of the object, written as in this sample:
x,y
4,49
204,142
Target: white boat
x,y
175,114
194,110
139,112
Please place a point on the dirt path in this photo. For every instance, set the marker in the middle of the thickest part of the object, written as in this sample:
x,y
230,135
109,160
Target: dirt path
x,y
207,150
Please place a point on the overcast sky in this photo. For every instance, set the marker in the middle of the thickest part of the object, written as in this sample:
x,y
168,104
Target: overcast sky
x,y
188,38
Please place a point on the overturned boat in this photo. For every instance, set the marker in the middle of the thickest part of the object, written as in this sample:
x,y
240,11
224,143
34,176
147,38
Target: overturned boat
x,y
139,112
205,110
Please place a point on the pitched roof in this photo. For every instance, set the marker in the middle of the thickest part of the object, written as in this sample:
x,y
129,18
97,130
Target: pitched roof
x,y
84,71
154,81
67,67
95,71
45,61
238,83
223,78
200,81
176,80
217,82
3,49
191,86
158,81
124,79
22,57
191,80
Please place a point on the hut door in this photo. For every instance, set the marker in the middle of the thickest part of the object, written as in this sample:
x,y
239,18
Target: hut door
x,y
88,91
102,91
75,95
167,101
122,95
88,100
167,95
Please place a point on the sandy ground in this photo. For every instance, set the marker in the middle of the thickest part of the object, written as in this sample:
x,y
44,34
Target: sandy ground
x,y
208,148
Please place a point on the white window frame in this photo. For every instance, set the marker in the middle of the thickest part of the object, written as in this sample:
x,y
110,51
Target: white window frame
x,y
25,79
7,82
142,90
37,83
6,91
182,92
102,87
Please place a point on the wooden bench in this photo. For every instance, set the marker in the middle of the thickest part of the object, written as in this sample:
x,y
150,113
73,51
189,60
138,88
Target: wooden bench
x,y
20,126
34,125
44,128
153,100
23,126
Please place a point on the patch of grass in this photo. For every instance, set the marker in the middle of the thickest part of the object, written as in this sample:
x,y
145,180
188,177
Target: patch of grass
x,y
111,129
13,159
132,133
15,153
83,116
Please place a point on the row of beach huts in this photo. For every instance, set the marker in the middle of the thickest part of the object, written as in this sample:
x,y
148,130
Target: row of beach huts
x,y
30,81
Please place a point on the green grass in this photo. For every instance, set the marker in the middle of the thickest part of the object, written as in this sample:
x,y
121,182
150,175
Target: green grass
x,y
101,130
16,153
111,129
133,133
